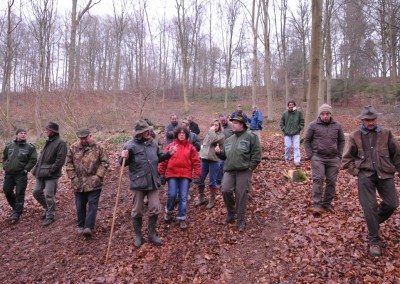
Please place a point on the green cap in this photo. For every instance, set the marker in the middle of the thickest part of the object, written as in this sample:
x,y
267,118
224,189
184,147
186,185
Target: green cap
x,y
82,132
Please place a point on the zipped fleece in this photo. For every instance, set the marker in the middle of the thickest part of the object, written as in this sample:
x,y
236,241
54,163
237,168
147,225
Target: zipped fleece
x,y
19,156
185,163
241,151
292,122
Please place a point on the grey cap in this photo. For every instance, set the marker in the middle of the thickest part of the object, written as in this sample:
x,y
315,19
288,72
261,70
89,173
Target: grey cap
x,y
82,132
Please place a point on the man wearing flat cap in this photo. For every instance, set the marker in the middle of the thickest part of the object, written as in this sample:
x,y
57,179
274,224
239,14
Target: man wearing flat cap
x,y
142,156
242,154
86,166
19,157
373,155
324,144
48,170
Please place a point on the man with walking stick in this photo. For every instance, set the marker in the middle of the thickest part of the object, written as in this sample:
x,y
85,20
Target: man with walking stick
x,y
142,156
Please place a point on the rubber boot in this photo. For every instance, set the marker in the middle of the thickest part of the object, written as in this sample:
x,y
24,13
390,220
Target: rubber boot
x,y
137,226
153,238
202,198
211,204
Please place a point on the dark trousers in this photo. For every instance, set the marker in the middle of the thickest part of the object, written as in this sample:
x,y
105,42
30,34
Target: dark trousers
x,y
235,186
16,200
375,213
324,170
86,207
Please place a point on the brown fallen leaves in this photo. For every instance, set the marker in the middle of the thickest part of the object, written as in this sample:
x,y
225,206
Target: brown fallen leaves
x,y
283,242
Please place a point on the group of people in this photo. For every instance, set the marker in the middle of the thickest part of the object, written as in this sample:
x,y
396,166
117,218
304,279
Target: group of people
x,y
228,154
372,155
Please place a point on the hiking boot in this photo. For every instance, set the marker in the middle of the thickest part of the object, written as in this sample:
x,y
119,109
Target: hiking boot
x,y
137,226
87,232
47,222
153,238
14,217
201,201
168,217
375,250
317,211
241,226
230,218
211,204
80,230
183,225
328,208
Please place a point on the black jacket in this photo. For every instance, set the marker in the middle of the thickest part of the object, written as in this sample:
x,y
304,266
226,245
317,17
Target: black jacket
x,y
143,160
51,159
19,156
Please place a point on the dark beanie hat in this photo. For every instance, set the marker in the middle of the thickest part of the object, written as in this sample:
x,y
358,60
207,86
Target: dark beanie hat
x,y
52,126
19,130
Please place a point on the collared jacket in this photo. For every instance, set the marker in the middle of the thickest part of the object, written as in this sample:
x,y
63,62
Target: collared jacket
x,y
19,156
211,140
325,140
86,166
292,122
51,159
241,152
185,163
142,161
372,152
256,120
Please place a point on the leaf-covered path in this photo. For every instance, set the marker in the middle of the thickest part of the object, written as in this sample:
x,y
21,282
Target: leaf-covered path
x,y
283,242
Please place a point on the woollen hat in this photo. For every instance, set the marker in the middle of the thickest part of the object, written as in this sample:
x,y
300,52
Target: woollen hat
x,y
19,130
241,119
52,126
82,132
368,112
325,108
141,126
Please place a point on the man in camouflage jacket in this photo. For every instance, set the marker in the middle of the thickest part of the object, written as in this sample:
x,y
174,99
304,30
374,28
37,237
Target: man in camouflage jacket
x,y
19,157
86,166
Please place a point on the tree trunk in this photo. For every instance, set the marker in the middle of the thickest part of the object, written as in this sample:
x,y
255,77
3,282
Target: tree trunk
x,y
312,98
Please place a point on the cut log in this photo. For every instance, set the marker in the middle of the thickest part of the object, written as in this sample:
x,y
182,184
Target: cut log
x,y
295,175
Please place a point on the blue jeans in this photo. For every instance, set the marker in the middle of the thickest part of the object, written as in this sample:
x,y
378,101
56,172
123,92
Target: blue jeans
x,y
295,142
209,168
220,172
180,187
87,218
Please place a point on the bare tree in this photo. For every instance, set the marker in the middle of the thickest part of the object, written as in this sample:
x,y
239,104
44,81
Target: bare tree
x,y
231,10
267,58
312,99
8,58
76,17
187,26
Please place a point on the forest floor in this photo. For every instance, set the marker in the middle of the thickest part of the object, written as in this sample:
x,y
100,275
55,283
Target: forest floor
x,y
283,242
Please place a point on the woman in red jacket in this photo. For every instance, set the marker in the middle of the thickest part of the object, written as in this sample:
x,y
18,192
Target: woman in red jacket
x,y
179,171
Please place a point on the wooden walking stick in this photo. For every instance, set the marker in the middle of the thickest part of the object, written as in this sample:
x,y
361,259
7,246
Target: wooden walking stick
x,y
115,208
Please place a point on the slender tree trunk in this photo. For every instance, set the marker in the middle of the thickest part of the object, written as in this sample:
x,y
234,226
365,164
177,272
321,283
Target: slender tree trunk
x,y
312,96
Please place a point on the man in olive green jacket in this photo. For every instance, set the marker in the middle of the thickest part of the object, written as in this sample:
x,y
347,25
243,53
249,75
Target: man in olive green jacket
x,y
86,166
19,157
292,122
242,154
